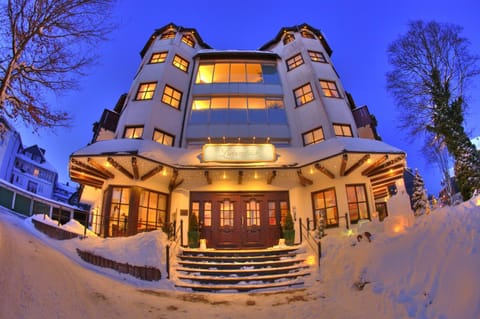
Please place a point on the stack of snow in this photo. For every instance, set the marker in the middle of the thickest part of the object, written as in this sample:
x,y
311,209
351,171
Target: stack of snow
x,y
428,270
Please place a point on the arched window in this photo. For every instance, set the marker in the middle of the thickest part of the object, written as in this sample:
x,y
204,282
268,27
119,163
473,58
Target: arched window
x,y
307,34
289,37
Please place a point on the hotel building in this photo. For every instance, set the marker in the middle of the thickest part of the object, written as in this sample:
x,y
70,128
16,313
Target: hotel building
x,y
238,138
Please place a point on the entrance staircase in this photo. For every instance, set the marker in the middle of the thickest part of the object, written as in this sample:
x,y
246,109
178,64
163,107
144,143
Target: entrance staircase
x,y
240,270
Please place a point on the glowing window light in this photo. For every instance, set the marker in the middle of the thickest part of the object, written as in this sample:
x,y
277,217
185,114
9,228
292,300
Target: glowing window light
x,y
311,260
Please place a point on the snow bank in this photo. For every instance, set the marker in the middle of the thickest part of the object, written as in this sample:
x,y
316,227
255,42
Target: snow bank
x,y
428,270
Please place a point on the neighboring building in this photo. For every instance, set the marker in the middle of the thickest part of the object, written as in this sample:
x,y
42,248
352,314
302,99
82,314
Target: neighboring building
x,y
28,167
238,138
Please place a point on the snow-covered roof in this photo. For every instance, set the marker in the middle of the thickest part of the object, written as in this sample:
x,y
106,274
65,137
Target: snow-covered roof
x,y
286,156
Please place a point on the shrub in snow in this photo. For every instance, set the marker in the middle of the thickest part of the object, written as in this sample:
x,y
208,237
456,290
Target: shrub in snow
x,y
419,197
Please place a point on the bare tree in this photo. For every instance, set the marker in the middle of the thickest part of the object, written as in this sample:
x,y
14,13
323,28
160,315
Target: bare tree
x,y
432,68
44,46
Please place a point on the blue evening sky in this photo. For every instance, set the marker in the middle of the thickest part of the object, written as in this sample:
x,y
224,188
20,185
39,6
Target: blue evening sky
x,y
359,33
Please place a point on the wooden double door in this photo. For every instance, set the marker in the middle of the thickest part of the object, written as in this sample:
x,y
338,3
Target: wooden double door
x,y
240,220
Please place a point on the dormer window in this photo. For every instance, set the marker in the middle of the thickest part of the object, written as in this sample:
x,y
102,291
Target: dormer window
x,y
168,35
289,37
306,34
188,40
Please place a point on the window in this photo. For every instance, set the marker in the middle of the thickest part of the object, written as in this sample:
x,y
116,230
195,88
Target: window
x,y
133,132
146,91
32,187
342,130
119,210
180,63
294,62
168,35
237,73
151,210
207,214
238,110
171,97
325,207
163,138
357,202
306,34
313,136
289,37
188,40
158,57
303,94
272,213
226,213
329,88
283,212
253,213
316,56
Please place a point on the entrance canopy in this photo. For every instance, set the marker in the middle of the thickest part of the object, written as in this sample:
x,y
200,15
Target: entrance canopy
x,y
140,160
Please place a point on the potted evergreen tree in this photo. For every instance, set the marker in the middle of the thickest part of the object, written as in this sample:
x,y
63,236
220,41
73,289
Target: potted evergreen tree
x,y
289,230
193,232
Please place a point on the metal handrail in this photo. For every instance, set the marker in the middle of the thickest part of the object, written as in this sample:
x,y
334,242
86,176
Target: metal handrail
x,y
177,240
314,243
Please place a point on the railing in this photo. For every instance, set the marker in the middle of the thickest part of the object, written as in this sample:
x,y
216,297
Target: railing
x,y
314,243
174,240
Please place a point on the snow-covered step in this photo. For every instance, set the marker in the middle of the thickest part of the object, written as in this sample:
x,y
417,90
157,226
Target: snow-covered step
x,y
240,287
241,270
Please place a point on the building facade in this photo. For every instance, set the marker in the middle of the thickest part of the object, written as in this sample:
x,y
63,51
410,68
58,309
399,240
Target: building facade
x,y
239,138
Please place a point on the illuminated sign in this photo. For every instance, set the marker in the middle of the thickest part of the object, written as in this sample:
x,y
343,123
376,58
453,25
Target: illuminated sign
x,y
238,153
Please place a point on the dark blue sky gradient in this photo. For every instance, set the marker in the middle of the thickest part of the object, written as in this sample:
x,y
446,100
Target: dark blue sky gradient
x,y
359,33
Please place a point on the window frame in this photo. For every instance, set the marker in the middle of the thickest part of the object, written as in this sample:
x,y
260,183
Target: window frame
x,y
317,56
134,128
307,34
164,134
294,61
317,211
357,202
188,40
328,91
170,34
145,91
162,57
314,140
342,127
300,99
180,63
167,99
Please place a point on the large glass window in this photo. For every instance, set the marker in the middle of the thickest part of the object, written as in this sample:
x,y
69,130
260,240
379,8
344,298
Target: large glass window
x,y
238,110
325,207
180,63
342,130
329,88
151,210
158,57
357,202
294,62
145,91
303,94
313,136
133,132
171,97
163,138
237,73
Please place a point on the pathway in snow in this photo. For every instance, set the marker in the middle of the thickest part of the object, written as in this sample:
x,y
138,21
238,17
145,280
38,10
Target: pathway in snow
x,y
39,282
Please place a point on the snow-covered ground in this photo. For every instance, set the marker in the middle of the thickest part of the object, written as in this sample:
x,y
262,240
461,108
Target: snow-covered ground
x,y
428,270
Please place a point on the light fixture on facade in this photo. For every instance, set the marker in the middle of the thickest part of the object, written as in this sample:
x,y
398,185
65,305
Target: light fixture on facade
x,y
164,171
255,175
224,176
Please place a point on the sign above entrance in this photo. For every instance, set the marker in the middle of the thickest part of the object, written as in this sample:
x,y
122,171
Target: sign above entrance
x,y
238,153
